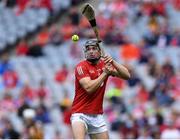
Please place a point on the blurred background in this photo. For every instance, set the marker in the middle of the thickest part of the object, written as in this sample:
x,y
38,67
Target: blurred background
x,y
37,60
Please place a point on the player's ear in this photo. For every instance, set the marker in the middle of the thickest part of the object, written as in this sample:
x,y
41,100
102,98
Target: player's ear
x,y
85,55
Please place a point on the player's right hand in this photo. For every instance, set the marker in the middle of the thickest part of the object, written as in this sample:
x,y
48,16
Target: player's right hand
x,y
107,59
109,69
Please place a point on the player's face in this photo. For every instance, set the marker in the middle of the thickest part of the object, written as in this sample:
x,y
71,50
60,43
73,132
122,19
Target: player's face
x,y
92,52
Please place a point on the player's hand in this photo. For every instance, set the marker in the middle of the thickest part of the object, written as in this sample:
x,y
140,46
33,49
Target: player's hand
x,y
109,69
107,59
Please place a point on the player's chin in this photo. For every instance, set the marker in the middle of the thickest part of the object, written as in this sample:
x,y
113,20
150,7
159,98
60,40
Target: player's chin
x,y
92,57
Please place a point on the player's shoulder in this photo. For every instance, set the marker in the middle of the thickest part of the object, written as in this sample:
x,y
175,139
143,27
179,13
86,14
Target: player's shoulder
x,y
81,63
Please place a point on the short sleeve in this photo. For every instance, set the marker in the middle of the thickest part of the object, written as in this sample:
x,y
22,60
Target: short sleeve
x,y
81,72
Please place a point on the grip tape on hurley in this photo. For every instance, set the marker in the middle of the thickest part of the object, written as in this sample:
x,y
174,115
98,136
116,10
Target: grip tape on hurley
x,y
93,22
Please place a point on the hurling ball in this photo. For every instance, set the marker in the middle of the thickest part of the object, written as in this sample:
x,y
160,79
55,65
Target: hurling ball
x,y
75,38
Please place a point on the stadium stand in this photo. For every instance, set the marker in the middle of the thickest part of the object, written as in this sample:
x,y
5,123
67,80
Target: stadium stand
x,y
36,73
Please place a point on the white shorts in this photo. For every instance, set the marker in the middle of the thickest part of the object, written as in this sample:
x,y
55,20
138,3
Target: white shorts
x,y
93,123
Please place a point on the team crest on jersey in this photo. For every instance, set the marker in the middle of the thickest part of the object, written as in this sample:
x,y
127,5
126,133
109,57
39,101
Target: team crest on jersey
x,y
91,71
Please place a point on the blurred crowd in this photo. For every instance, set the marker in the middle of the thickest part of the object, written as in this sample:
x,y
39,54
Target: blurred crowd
x,y
134,108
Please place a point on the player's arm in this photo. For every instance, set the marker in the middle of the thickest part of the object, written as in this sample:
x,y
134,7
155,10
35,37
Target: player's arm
x,y
92,85
119,71
122,71
82,74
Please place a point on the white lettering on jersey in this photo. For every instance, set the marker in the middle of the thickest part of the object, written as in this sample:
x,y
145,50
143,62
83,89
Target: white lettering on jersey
x,y
79,70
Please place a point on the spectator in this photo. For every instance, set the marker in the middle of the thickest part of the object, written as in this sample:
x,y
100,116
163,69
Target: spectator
x,y
170,132
35,50
43,37
22,48
62,74
130,51
176,4
42,91
67,116
168,69
163,96
143,95
67,29
75,51
175,40
10,78
74,16
55,37
65,103
152,36
153,67
164,37
7,103
119,84
46,4
42,114
145,54
134,80
35,131
22,5
5,63
10,3
144,134
27,92
22,106
9,131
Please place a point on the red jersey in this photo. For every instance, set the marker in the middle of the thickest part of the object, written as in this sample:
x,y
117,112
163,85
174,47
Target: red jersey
x,y
84,102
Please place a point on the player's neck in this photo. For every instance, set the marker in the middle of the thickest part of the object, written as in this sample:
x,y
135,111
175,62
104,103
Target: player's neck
x,y
93,63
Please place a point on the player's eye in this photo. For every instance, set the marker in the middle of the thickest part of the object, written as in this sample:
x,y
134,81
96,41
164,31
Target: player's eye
x,y
87,49
94,48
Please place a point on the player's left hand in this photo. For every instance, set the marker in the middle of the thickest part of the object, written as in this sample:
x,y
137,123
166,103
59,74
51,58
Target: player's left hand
x,y
109,69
